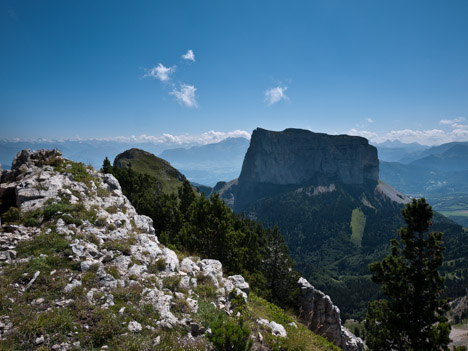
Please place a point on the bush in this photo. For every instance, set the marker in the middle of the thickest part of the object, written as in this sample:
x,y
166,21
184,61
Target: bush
x,y
121,245
171,282
72,220
157,266
31,222
206,291
59,207
42,244
228,334
12,215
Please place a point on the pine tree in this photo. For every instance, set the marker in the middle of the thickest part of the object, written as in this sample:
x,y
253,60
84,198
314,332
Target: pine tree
x,y
106,166
278,269
411,318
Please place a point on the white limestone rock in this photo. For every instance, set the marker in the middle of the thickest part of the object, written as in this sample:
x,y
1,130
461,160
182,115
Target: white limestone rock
x,y
134,327
72,285
212,270
277,329
189,266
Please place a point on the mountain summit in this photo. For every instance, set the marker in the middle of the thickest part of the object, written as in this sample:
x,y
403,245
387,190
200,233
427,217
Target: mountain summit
x,y
324,193
279,161
300,156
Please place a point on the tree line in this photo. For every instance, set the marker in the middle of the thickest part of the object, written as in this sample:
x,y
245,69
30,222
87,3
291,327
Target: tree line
x,y
207,227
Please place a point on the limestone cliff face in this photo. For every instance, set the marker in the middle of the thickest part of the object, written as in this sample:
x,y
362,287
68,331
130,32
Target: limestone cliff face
x,y
296,156
280,161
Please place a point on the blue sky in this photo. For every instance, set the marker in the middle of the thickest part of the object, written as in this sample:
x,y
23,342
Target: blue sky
x,y
89,69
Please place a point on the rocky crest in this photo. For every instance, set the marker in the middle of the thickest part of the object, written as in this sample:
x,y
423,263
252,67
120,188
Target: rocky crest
x,y
108,242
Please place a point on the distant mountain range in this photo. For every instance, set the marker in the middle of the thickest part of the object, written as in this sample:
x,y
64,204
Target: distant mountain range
x,y
90,152
210,163
336,215
203,164
394,151
439,173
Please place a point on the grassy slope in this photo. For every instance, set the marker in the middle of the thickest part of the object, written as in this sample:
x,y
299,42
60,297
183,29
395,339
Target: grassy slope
x,y
299,338
358,223
147,163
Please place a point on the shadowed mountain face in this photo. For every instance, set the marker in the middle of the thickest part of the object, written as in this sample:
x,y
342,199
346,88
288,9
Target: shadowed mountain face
x,y
293,157
324,194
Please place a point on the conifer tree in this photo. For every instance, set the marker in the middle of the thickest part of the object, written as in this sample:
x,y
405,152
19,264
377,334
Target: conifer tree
x,y
106,166
412,315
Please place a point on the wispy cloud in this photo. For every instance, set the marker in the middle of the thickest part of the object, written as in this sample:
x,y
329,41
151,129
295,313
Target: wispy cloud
x,y
274,95
160,72
190,56
185,95
452,121
370,120
208,137
364,133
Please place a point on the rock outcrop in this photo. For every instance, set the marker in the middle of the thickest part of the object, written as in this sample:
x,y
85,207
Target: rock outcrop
x,y
108,243
282,160
320,315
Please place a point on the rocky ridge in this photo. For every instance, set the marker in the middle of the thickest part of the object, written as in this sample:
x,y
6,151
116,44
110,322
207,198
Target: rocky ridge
x,y
72,241
115,246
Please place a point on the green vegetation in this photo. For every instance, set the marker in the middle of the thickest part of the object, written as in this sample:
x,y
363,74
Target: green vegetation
x,y
228,334
142,162
78,171
208,228
318,233
299,338
358,223
412,316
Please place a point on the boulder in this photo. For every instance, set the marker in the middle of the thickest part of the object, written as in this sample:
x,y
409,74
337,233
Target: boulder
x,y
277,329
212,270
134,327
239,282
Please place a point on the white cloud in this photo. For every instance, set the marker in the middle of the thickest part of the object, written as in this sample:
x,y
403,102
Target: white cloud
x,y
452,121
209,137
189,56
364,133
276,94
370,120
451,130
424,137
160,72
186,95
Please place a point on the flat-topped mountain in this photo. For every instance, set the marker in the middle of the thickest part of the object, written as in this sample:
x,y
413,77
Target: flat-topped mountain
x,y
324,194
280,161
297,156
